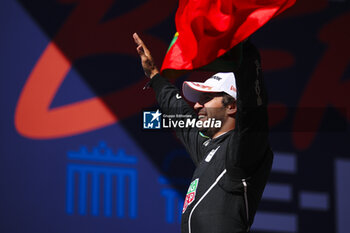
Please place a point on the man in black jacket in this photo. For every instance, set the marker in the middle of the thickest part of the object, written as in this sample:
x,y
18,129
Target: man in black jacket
x,y
232,161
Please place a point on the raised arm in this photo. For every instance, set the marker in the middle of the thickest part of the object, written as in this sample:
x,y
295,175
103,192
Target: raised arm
x,y
249,145
169,99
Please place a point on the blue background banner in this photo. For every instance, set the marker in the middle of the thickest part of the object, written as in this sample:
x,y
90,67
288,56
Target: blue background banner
x,y
74,154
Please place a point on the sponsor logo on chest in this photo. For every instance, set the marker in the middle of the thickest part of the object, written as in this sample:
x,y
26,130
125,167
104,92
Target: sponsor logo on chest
x,y
191,194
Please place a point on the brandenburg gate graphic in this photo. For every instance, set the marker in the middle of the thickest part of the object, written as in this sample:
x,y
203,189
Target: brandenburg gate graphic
x,y
109,189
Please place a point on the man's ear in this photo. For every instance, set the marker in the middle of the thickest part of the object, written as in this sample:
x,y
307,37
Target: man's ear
x,y
231,109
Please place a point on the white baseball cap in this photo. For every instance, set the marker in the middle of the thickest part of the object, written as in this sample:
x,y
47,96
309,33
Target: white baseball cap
x,y
219,82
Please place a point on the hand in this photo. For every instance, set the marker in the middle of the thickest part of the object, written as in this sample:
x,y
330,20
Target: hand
x,y
146,59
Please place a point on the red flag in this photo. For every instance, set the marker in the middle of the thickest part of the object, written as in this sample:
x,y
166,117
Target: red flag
x,y
207,29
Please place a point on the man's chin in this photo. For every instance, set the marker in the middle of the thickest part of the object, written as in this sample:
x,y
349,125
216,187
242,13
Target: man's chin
x,y
208,131
203,119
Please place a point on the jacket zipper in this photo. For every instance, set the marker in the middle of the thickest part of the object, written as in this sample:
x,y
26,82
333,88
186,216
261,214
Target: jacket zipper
x,y
246,201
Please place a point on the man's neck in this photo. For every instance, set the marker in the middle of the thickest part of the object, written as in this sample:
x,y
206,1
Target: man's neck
x,y
218,134
228,126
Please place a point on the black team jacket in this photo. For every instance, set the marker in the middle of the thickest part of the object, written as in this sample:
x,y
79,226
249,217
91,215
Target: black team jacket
x,y
231,169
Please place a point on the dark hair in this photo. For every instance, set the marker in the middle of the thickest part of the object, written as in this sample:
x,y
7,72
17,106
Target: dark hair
x,y
227,99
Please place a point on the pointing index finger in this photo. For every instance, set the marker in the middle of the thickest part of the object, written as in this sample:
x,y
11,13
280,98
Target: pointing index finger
x,y
137,39
141,47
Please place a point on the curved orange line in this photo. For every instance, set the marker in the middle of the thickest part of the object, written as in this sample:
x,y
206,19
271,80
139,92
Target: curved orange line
x,y
33,116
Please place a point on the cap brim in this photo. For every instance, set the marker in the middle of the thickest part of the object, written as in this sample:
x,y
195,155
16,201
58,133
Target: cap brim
x,y
193,90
